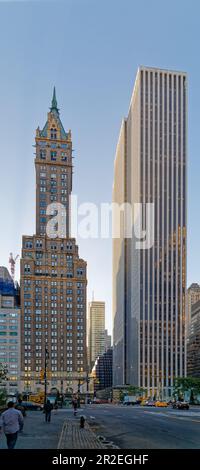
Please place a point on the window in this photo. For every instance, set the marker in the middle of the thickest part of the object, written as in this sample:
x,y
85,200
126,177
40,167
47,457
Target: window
x,y
28,244
27,268
43,154
53,133
53,156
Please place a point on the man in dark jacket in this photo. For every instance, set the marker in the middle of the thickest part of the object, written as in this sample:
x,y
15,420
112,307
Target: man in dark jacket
x,y
47,409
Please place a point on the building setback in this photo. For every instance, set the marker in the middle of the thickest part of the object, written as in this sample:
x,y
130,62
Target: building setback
x,y
53,277
193,345
149,285
9,331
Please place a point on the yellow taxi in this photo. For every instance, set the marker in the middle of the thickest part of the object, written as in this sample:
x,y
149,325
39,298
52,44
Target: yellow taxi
x,y
161,404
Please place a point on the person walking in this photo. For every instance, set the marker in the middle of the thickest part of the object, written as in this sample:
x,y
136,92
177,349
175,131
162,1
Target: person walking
x,y
11,423
47,409
75,405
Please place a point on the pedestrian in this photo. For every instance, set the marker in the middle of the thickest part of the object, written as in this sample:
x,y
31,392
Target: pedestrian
x,y
47,409
11,423
75,404
20,407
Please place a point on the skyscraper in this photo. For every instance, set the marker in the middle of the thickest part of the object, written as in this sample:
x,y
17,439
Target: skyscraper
x,y
107,340
193,295
96,331
53,277
149,285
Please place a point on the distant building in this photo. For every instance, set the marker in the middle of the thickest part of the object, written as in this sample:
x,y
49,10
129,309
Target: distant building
x,y
193,347
193,295
103,370
9,331
107,340
96,331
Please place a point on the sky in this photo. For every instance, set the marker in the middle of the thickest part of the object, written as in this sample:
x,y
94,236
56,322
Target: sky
x,y
90,50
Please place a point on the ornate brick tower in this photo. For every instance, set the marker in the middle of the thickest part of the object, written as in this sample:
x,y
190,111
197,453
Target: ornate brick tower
x,y
53,277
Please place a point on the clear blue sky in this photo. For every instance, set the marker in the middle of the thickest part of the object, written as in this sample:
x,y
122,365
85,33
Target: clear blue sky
x,y
90,49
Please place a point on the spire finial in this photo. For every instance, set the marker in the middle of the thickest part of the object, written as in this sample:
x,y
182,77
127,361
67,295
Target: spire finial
x,y
54,106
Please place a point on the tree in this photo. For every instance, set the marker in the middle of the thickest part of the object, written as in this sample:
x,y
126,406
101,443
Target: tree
x,y
185,384
135,390
3,397
3,376
3,372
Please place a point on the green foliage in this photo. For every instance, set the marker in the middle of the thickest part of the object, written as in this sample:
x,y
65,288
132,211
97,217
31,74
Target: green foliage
x,y
134,390
184,384
3,397
3,372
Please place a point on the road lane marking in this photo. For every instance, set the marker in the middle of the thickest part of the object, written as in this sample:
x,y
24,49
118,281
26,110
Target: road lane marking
x,y
167,415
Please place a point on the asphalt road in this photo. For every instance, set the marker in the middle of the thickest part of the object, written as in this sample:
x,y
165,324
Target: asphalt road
x,y
146,428
128,427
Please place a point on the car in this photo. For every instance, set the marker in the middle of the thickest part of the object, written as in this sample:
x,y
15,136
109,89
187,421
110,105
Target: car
x,y
30,405
181,405
161,404
143,402
151,403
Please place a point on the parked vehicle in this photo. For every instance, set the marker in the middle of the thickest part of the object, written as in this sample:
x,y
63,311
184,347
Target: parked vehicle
x,y
181,405
161,404
11,398
144,403
30,405
129,400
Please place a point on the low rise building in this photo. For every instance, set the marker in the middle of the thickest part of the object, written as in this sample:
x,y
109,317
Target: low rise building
x,y
9,331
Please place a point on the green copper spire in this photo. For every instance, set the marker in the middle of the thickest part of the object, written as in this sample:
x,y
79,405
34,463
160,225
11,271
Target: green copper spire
x,y
54,106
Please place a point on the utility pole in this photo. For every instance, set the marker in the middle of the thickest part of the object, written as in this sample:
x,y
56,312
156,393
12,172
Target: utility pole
x,y
87,388
45,374
79,389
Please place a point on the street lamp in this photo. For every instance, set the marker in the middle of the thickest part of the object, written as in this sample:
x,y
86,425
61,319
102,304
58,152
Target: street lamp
x,y
45,374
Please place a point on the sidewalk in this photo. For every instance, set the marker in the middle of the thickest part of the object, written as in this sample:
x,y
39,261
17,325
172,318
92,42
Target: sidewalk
x,y
74,437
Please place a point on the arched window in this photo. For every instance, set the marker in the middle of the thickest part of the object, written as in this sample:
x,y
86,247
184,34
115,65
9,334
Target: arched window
x,y
53,133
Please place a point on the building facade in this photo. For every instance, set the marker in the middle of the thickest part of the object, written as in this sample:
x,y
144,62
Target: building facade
x,y
193,295
96,331
53,277
149,284
9,331
103,371
193,346
107,340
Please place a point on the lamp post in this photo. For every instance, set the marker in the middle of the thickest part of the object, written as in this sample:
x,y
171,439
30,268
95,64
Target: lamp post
x,y
45,374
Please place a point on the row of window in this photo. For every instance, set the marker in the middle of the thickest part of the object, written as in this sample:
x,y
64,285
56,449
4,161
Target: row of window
x,y
39,244
44,143
54,156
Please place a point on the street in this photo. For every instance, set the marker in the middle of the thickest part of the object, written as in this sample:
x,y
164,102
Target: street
x,y
147,428
128,427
